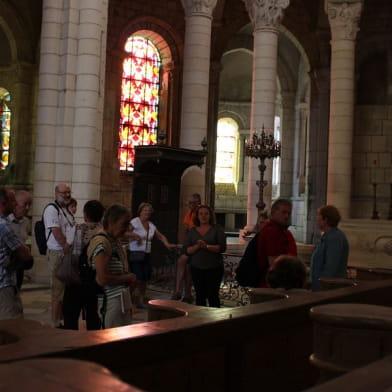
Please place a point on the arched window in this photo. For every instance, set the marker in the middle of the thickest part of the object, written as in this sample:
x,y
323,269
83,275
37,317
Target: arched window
x,y
276,161
139,99
226,148
5,128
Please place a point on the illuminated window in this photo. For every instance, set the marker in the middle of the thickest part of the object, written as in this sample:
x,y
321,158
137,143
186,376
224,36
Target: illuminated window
x,y
139,99
226,146
276,161
5,128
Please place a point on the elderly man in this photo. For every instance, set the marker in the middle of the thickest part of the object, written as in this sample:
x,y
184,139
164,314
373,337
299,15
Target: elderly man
x,y
274,239
21,226
10,247
60,232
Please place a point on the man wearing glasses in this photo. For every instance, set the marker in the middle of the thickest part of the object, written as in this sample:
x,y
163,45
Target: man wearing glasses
x,y
60,232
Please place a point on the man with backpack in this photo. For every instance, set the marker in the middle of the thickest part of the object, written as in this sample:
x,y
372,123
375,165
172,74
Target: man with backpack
x,y
60,232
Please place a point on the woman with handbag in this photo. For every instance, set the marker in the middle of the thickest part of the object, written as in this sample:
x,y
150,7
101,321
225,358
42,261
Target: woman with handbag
x,y
204,244
106,255
75,298
141,233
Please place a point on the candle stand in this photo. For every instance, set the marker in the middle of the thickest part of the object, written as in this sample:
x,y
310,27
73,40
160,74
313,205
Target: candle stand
x,y
262,146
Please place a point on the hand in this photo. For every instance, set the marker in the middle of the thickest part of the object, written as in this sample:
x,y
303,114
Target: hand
x,y
131,278
138,238
201,244
66,248
171,246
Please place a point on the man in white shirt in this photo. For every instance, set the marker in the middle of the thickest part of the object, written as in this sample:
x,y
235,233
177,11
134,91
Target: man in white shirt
x,y
60,230
21,226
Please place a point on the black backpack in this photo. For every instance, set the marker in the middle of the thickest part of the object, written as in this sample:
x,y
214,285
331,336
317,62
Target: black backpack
x,y
87,273
39,231
248,273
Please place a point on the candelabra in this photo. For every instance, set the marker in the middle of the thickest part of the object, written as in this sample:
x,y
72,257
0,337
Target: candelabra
x,y
262,146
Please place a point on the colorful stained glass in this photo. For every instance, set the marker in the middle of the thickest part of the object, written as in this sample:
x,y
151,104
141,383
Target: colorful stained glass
x,y
226,151
139,99
5,128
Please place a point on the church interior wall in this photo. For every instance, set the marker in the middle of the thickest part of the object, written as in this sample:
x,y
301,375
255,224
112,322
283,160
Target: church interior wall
x,y
304,58
19,43
164,25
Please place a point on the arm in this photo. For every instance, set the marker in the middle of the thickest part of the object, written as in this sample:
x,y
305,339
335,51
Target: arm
x,y
220,246
22,253
132,235
162,238
191,245
103,277
332,257
60,238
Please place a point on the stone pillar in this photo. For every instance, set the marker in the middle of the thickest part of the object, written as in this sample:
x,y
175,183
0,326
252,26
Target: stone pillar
x,y
89,96
265,16
344,19
69,116
195,86
287,137
318,148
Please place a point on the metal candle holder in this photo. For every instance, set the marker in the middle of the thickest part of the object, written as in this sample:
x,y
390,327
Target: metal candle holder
x,y
262,146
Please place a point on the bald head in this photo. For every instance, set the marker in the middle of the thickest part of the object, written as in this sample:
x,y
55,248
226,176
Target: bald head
x,y
23,203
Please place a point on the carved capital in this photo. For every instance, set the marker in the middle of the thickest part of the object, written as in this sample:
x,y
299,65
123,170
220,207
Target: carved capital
x,y
199,7
265,13
344,18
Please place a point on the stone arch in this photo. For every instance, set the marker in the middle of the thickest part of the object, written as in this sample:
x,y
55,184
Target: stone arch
x,y
18,36
159,32
237,117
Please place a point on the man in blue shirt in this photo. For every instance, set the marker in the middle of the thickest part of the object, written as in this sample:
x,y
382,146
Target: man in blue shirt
x,y
10,248
329,259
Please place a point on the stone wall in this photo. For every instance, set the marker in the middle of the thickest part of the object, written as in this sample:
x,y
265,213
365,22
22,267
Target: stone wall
x,y
372,154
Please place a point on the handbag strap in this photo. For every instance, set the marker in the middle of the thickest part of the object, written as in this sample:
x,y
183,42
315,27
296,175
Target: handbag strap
x,y
148,229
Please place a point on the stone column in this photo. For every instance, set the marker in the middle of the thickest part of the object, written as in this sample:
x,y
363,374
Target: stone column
x,y
287,137
69,116
89,96
265,16
344,19
195,86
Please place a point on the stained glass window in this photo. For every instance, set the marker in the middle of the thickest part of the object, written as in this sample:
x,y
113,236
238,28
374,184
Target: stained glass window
x,y
139,99
5,128
226,151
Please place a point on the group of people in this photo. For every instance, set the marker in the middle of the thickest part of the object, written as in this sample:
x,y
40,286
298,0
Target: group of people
x,y
119,271
277,251
101,238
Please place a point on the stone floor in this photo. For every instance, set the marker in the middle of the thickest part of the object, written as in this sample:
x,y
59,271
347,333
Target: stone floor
x,y
36,303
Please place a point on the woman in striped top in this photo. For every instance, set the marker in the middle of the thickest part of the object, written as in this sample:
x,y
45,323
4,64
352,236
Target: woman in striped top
x,y
110,262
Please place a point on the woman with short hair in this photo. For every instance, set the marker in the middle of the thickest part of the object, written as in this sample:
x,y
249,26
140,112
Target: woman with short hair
x,y
142,231
329,259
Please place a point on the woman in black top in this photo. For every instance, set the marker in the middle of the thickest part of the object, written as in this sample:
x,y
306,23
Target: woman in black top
x,y
204,244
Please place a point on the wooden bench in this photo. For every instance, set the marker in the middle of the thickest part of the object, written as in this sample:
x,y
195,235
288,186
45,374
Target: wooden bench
x,y
348,336
230,349
60,375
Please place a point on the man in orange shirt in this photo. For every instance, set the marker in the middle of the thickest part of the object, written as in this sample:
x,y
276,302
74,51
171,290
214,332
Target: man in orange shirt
x,y
183,268
274,239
